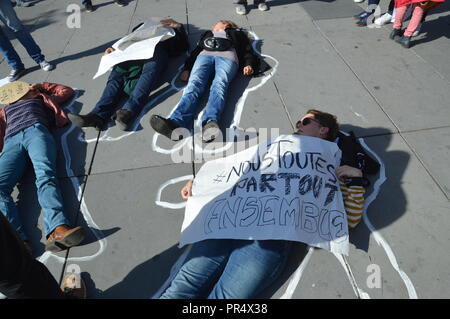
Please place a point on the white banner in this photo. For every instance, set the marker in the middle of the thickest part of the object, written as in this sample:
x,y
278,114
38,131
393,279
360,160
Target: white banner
x,y
138,45
282,189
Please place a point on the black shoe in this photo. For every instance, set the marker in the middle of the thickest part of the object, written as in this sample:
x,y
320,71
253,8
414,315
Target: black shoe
x,y
211,131
88,6
88,120
15,74
362,15
395,33
165,127
365,21
404,41
123,119
121,3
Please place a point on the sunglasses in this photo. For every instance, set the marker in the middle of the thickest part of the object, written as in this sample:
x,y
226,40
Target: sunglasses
x,y
307,121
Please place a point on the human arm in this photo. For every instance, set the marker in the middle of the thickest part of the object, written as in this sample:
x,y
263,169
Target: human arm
x,y
186,191
248,55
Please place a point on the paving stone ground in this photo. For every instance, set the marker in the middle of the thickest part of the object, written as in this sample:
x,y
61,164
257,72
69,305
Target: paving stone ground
x,y
396,99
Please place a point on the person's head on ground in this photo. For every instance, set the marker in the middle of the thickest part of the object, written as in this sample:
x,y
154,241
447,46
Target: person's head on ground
x,y
319,124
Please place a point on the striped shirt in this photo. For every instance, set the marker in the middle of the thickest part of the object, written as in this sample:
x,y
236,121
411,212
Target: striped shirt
x,y
25,113
353,202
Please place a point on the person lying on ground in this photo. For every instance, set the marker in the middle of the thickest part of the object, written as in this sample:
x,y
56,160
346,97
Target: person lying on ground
x,y
25,134
235,268
133,80
220,53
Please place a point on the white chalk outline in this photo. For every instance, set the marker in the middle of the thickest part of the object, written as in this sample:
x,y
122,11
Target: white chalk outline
x,y
78,189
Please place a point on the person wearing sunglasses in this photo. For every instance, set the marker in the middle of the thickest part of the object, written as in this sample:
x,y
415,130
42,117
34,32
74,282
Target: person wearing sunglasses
x,y
232,268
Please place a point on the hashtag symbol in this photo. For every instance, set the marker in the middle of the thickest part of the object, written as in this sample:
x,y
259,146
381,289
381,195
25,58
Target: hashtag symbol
x,y
219,177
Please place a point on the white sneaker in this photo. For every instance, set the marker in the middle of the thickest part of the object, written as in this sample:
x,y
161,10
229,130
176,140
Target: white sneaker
x,y
263,6
46,66
241,9
384,19
358,1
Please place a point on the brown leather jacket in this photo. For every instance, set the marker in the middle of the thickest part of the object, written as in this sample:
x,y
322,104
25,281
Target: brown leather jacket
x,y
54,95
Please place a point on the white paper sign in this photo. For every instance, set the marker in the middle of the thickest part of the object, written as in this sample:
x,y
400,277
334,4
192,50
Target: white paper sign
x,y
138,45
282,189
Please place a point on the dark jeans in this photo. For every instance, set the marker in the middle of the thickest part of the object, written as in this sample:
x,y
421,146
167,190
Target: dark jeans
x,y
9,18
113,91
21,276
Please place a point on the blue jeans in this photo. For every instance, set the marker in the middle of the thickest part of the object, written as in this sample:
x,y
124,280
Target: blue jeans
x,y
113,92
37,143
229,269
9,18
205,66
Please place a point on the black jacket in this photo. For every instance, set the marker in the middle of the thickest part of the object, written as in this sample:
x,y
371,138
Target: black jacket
x,y
244,51
175,45
354,155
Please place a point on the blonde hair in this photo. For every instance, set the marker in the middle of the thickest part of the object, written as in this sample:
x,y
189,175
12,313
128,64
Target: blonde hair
x,y
230,23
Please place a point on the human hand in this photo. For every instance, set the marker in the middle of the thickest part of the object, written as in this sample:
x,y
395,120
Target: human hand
x,y
109,50
186,191
170,23
248,70
184,76
348,171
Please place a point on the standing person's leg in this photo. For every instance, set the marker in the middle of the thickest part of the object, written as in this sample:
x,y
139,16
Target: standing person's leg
x,y
225,71
151,73
203,266
368,16
416,19
10,19
12,166
10,54
187,107
41,147
399,15
21,276
251,268
398,22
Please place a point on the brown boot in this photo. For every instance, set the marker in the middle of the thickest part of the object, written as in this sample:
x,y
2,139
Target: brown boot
x,y
64,237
